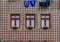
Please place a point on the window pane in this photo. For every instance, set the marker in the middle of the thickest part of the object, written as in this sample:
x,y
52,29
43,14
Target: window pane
x,y
47,23
47,16
43,0
42,23
43,16
32,23
28,16
28,23
13,23
32,16
13,16
17,23
17,16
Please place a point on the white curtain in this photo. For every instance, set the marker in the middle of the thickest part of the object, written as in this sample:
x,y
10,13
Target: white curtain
x,y
13,16
47,23
32,16
47,16
28,16
17,17
27,23
43,16
42,23
32,23
13,23
17,23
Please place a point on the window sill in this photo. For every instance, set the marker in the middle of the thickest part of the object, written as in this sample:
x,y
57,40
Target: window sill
x,y
46,29
14,30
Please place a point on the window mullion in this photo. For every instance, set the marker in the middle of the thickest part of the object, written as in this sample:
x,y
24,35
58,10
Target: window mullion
x,y
15,22
45,21
30,22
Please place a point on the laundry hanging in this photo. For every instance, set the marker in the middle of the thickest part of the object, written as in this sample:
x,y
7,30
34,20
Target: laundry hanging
x,y
43,0
48,3
26,3
44,3
32,2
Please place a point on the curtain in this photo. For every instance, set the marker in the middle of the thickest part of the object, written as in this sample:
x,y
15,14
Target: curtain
x,y
27,23
42,23
13,23
32,23
47,23
17,23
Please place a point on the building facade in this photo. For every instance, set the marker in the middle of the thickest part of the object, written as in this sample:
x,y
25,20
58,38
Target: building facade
x,y
14,13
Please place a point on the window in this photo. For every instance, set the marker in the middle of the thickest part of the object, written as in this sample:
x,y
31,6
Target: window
x,y
30,20
45,20
15,20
